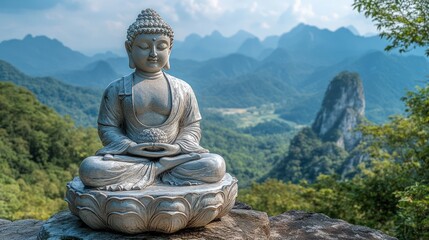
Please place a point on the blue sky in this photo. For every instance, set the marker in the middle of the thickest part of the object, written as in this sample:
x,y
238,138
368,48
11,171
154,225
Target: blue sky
x,y
92,26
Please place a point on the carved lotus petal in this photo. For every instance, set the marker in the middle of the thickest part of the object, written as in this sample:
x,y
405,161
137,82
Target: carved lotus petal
x,y
91,218
212,199
231,194
205,216
170,204
87,201
126,214
70,199
125,204
128,222
89,211
168,222
169,214
206,209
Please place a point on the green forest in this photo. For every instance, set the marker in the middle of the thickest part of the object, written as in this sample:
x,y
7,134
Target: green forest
x,y
40,151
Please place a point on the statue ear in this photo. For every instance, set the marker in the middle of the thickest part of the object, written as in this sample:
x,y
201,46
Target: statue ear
x,y
167,65
130,58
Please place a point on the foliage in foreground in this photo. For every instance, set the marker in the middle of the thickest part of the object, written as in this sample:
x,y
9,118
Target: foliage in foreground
x,y
391,193
405,22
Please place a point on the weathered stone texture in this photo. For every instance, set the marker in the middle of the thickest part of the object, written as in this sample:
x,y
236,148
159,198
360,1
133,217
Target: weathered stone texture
x,y
19,230
297,225
238,224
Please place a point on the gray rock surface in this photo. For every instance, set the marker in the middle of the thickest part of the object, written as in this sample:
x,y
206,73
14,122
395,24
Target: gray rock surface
x,y
342,110
19,230
303,225
238,224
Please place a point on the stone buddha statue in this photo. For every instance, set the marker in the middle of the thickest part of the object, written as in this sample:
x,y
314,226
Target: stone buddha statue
x,y
152,174
149,121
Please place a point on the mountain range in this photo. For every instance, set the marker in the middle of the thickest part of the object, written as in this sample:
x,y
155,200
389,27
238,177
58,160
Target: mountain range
x,y
41,55
195,47
291,71
80,103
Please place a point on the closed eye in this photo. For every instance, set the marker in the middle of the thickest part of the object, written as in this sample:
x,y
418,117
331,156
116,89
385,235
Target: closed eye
x,y
162,46
143,46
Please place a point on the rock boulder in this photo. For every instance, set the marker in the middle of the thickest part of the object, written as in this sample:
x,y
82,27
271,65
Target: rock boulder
x,y
304,225
238,224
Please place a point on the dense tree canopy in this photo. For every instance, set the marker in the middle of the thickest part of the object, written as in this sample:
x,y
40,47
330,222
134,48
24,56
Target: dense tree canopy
x,y
404,22
39,153
308,157
247,157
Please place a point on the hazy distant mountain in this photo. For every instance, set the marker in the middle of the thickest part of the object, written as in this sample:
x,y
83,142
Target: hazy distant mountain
x,y
293,76
98,74
281,64
214,70
386,78
41,55
119,65
104,56
271,41
323,47
81,103
353,30
257,49
248,90
252,47
214,45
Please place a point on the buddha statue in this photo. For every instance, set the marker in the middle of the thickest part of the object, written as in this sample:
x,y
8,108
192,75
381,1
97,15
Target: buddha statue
x,y
152,174
149,121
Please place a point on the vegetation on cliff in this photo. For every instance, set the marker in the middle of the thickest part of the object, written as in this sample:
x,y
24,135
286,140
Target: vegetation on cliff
x,y
39,152
389,193
78,102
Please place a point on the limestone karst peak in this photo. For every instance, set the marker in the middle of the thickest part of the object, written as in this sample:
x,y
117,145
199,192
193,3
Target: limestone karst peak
x,y
343,109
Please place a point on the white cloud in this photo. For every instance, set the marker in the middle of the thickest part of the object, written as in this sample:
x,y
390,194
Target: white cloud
x,y
208,8
265,25
303,11
253,7
325,18
95,25
335,15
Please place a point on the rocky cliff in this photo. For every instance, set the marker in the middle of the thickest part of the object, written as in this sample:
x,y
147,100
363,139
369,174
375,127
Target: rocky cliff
x,y
342,111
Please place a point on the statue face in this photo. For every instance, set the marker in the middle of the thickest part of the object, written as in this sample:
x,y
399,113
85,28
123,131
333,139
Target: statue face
x,y
149,52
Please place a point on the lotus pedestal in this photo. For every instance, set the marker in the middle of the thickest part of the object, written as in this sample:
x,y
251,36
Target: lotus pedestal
x,y
160,207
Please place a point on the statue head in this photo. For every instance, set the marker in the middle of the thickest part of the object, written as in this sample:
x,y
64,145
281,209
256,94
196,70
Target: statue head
x,y
149,42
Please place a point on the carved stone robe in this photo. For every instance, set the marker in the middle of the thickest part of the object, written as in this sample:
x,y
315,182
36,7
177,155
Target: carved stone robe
x,y
118,127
